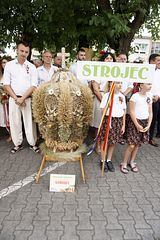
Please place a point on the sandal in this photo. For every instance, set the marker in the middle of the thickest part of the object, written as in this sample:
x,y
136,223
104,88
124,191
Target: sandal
x,y
124,169
133,167
16,149
34,149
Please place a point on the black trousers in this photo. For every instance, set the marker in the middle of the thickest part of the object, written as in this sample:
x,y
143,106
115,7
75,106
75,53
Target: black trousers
x,y
155,110
158,120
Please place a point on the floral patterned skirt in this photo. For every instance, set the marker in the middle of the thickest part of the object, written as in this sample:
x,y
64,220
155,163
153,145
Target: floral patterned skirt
x,y
115,133
132,135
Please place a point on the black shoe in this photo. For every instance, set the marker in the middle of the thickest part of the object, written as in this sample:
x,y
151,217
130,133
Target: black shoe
x,y
153,143
16,149
34,148
105,166
110,166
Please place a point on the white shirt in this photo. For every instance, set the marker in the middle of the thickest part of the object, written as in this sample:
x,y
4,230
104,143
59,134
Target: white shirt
x,y
20,76
74,70
142,104
44,75
119,104
125,85
155,90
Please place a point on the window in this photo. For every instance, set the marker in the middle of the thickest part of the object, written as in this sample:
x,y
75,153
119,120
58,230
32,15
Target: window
x,y
155,47
141,48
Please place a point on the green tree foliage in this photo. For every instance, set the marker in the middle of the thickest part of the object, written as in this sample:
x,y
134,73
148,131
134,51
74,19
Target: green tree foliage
x,y
21,20
72,23
153,23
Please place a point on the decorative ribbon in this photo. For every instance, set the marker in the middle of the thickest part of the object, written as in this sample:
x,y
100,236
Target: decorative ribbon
x,y
106,107
6,116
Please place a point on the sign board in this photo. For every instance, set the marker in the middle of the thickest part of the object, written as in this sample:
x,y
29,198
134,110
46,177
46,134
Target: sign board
x,y
115,71
62,183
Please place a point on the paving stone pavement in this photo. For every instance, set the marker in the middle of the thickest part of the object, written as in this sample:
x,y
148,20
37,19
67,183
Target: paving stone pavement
x,y
113,207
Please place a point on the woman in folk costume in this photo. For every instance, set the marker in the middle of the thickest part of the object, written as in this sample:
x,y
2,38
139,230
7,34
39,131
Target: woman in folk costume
x,y
137,131
99,88
117,125
4,116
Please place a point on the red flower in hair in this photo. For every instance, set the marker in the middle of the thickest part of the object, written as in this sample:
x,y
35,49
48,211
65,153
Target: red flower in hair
x,y
102,52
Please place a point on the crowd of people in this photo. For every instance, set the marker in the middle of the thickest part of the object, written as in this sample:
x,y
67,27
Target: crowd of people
x,y
135,110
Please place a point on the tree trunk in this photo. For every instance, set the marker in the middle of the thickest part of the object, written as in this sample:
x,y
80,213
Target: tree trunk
x,y
83,42
123,42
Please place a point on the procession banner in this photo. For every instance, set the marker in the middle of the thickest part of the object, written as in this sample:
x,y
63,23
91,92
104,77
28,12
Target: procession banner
x,y
115,71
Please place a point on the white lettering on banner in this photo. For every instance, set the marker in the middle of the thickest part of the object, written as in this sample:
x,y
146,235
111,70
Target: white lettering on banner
x,y
114,71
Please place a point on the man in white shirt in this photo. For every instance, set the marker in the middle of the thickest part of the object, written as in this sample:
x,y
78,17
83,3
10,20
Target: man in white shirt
x,y
127,86
155,90
81,56
20,80
46,71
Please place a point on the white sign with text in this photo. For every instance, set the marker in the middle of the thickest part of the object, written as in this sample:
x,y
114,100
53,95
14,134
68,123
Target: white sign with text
x,y
115,71
62,183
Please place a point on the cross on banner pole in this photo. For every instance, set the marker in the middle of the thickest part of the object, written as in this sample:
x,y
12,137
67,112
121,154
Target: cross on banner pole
x,y
63,54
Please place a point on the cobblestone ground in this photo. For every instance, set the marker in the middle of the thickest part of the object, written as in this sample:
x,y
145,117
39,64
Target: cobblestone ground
x,y
113,207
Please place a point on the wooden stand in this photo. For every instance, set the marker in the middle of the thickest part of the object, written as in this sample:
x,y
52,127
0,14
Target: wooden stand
x,y
48,158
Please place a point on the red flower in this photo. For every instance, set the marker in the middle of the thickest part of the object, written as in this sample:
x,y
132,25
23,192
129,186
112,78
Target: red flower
x,y
102,52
